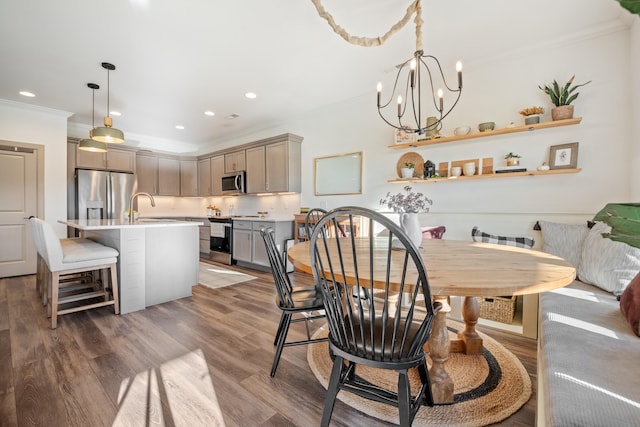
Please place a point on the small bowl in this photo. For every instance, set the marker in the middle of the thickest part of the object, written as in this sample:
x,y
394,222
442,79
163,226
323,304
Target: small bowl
x,y
462,130
482,127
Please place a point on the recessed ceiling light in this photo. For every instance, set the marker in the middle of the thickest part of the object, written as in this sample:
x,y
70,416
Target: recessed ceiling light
x,y
251,95
115,113
180,127
209,113
232,116
27,94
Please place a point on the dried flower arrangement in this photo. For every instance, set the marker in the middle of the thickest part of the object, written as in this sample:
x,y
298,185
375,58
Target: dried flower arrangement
x,y
407,203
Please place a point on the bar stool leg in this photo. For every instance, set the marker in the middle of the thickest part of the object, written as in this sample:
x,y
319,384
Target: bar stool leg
x,y
114,288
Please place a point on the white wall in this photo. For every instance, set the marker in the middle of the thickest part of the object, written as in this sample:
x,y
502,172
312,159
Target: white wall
x,y
36,125
634,55
496,88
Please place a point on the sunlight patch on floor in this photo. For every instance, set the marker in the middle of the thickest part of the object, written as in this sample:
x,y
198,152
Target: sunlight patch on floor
x,y
179,393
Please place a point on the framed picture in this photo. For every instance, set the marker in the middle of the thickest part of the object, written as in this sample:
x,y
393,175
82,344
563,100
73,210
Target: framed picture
x,y
339,174
564,156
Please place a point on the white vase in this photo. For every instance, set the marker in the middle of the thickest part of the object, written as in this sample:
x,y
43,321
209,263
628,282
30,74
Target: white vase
x,y
411,226
407,172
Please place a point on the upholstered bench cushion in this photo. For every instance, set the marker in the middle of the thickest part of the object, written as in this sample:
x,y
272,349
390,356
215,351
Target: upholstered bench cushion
x,y
85,250
588,359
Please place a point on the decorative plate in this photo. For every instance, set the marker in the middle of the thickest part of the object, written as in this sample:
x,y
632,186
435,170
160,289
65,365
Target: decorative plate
x,y
414,158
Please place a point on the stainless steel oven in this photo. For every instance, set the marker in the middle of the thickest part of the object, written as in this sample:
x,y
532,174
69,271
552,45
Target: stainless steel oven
x,y
221,235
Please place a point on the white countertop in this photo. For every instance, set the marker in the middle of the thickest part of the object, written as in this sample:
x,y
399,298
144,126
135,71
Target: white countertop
x,y
106,224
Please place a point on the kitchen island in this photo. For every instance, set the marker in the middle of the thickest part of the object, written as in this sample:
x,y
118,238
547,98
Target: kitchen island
x,y
158,261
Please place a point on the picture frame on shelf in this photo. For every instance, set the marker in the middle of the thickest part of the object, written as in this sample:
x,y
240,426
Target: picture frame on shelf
x,y
563,156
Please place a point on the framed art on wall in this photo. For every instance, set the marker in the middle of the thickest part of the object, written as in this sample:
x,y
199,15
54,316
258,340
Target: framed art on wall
x,y
339,174
564,156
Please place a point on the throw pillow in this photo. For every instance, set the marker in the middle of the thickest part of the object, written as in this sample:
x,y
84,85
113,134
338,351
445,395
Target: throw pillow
x,y
607,264
519,242
630,304
563,240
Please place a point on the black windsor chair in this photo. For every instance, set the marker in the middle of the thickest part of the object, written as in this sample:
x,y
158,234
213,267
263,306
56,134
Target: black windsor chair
x,y
313,216
387,332
290,300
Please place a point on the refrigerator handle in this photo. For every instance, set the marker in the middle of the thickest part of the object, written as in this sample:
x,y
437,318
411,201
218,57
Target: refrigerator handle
x,y
109,196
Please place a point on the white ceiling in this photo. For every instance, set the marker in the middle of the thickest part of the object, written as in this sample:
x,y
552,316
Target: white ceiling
x,y
176,59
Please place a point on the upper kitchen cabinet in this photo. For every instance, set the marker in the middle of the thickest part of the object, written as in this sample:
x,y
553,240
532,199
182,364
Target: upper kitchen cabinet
x,y
234,161
274,166
189,177
204,177
217,170
147,173
168,176
115,159
282,167
256,178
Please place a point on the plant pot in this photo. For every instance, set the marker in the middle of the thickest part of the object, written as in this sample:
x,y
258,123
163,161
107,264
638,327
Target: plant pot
x,y
407,172
532,119
513,161
562,112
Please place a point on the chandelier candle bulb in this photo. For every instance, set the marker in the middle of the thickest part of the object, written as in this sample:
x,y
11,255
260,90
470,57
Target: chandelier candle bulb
x,y
459,70
413,73
440,97
399,106
379,87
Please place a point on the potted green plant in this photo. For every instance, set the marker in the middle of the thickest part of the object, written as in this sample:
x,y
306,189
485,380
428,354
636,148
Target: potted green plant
x,y
531,115
562,97
408,170
512,159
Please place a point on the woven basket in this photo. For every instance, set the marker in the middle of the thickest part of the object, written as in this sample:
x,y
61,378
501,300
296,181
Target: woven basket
x,y
499,309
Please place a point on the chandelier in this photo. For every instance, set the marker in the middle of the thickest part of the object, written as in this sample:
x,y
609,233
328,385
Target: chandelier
x,y
420,84
106,133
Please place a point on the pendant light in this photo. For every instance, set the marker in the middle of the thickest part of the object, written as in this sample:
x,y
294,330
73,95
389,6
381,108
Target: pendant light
x,y
90,144
107,134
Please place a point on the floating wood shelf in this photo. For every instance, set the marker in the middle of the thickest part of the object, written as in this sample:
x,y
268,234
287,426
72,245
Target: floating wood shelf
x,y
504,131
486,176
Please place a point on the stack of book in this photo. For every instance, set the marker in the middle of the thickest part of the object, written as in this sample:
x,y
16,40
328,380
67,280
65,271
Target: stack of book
x,y
508,169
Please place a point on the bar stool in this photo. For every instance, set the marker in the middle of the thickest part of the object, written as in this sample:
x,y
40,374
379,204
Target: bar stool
x,y
66,258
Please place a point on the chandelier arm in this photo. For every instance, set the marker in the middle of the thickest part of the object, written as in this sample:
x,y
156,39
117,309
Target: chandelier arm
x,y
366,41
444,80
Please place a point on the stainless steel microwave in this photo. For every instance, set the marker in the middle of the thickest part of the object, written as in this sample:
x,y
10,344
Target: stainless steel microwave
x,y
234,183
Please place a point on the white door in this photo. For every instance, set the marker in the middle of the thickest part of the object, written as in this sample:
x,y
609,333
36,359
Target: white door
x,y
18,200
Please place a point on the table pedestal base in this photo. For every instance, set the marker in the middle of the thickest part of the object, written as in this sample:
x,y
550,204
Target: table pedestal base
x,y
439,348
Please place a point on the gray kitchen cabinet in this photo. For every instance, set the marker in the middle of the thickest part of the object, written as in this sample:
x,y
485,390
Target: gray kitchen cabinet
x,y
188,177
242,241
234,162
283,166
147,173
204,177
255,161
248,246
274,167
114,159
168,177
217,170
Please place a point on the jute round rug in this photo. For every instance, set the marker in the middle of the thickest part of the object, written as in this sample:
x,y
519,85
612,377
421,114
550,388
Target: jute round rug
x,y
488,388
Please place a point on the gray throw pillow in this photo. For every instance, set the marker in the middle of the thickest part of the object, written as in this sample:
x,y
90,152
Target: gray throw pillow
x,y
607,264
564,240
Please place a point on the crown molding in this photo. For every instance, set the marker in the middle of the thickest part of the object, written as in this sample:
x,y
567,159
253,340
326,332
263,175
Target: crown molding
x,y
36,108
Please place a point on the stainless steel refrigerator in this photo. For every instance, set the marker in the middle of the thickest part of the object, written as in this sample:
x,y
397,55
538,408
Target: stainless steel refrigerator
x,y
103,195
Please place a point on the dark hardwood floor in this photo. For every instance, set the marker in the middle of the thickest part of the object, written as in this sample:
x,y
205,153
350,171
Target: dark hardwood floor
x,y
199,361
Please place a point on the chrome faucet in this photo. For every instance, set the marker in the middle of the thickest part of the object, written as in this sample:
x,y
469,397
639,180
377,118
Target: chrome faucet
x,y
133,197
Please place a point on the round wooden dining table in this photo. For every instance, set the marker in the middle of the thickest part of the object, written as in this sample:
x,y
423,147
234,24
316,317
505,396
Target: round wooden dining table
x,y
470,270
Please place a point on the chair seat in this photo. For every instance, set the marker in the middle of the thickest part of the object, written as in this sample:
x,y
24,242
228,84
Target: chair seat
x,y
78,250
303,299
364,345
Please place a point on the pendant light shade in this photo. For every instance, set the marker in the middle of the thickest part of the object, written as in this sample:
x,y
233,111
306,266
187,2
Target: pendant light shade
x,y
90,144
106,133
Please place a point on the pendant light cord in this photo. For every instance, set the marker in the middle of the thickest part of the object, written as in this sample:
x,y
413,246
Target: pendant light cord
x,y
414,7
108,93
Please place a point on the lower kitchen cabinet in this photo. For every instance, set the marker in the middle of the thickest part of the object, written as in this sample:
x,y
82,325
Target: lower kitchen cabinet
x,y
248,245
